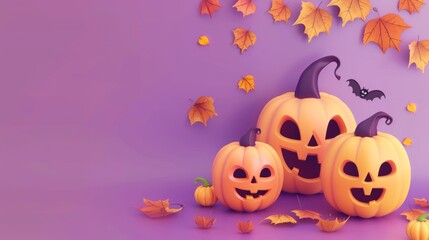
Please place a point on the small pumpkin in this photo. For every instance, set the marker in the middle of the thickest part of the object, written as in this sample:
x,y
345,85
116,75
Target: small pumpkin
x,y
366,173
418,229
247,175
299,125
204,194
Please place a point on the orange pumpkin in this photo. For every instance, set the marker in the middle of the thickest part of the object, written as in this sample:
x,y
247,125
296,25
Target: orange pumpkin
x,y
247,175
366,173
204,194
300,124
418,229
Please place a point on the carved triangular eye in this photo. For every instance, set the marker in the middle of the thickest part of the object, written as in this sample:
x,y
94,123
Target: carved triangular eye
x,y
290,130
333,129
385,169
351,169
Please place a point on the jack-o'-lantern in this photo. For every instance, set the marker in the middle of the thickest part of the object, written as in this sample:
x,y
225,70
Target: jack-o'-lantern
x,y
300,124
366,173
247,175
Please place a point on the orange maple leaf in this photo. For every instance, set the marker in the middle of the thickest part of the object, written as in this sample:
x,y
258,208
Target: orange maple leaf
x,y
419,54
244,38
245,227
202,110
410,5
422,202
331,225
412,214
315,20
280,218
247,83
385,31
209,6
159,208
280,11
307,214
246,7
204,222
351,9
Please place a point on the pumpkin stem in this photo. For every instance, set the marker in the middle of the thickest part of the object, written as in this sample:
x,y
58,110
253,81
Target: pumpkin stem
x,y
308,84
368,127
204,181
422,218
250,137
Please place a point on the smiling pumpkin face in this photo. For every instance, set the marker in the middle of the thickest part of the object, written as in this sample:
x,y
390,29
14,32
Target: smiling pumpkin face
x,y
366,175
247,177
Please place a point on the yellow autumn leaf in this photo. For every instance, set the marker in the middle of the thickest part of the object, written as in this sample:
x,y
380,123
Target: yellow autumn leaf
x,y
410,5
280,218
413,214
246,7
419,54
314,19
407,141
352,9
203,41
243,38
306,214
159,208
331,225
412,107
247,83
245,227
202,110
280,11
422,202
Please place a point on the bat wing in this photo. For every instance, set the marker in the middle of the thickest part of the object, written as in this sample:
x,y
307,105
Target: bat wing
x,y
355,86
374,94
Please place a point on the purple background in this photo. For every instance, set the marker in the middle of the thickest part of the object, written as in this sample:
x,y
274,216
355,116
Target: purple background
x,y
94,97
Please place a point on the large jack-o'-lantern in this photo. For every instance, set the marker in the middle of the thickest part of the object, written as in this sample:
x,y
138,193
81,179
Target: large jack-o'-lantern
x,y
247,175
300,124
366,173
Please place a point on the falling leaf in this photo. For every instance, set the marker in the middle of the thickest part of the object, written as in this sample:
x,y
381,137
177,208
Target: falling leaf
x,y
247,83
352,9
209,6
407,141
315,20
307,214
419,54
331,225
422,202
385,31
412,107
203,41
246,7
280,218
159,208
245,227
244,38
202,110
410,5
204,222
413,214
280,11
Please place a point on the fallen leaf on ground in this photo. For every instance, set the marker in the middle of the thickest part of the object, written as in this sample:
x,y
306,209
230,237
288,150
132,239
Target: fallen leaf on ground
x,y
209,6
407,141
331,225
280,218
352,9
244,38
412,214
246,7
410,5
247,83
280,11
245,227
422,202
315,20
204,222
202,110
412,107
159,208
385,31
203,41
419,54
307,214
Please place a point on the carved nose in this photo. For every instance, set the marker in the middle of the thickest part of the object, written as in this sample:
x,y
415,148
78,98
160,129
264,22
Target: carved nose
x,y
313,142
368,178
253,180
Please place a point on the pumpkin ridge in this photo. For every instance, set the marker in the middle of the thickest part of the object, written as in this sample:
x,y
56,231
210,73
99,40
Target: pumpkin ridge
x,y
228,156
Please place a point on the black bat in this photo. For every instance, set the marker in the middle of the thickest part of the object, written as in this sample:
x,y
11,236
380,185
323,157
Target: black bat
x,y
363,92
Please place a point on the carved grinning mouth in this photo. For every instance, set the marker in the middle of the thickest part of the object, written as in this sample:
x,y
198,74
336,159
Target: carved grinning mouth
x,y
359,194
308,168
245,193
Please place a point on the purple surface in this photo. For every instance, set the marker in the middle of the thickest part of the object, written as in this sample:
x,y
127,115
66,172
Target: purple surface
x,y
94,96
